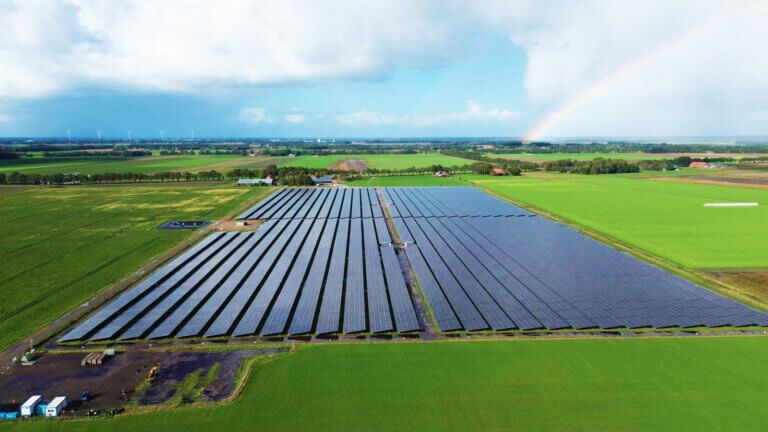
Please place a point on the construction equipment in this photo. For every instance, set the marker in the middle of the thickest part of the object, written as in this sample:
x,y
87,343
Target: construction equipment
x,y
152,375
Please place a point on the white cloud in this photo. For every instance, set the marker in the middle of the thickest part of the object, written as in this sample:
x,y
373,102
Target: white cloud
x,y
365,118
713,78
254,115
295,118
474,114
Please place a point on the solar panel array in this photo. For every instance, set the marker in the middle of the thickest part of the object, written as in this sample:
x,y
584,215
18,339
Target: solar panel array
x,y
300,203
322,263
485,264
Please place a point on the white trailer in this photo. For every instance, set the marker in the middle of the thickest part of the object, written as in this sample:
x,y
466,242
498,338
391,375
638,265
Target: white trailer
x,y
28,408
57,404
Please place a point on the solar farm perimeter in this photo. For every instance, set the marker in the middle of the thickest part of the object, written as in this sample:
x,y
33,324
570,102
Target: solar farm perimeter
x,y
324,263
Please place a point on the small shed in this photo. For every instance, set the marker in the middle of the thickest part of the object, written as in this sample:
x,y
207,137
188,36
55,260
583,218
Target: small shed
x,y
255,182
326,179
56,406
498,172
28,407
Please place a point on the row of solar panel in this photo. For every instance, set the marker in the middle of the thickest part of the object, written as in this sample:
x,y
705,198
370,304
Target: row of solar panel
x,y
505,273
291,276
306,203
446,201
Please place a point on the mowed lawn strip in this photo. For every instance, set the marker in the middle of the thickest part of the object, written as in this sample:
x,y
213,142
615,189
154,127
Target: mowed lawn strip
x,y
380,161
666,219
661,384
63,245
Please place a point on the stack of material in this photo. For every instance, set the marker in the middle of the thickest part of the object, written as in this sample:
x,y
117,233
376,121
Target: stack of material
x,y
93,359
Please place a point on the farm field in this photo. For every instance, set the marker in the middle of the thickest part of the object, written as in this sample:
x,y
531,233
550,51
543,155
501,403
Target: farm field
x,y
535,385
541,157
664,218
423,180
144,165
63,245
380,161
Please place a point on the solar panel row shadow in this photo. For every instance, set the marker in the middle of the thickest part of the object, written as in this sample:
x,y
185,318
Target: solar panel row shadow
x,y
321,263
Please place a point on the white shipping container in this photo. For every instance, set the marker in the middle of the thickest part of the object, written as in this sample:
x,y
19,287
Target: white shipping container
x,y
57,404
28,408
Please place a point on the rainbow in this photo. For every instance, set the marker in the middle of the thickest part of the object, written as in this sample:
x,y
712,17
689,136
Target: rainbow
x,y
554,118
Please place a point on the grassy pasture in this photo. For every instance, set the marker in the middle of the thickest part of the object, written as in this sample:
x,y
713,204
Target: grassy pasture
x,y
536,385
663,218
422,180
542,157
380,161
144,165
63,245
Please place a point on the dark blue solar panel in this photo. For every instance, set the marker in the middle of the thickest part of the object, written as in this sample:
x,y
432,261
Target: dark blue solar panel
x,y
441,309
132,295
330,308
260,304
167,299
354,297
375,288
304,315
400,297
267,252
281,310
196,298
261,206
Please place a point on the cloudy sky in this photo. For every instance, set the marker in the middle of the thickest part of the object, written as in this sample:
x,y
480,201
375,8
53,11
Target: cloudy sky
x,y
383,68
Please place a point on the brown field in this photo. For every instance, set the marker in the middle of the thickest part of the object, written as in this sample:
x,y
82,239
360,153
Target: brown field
x,y
349,165
737,178
753,283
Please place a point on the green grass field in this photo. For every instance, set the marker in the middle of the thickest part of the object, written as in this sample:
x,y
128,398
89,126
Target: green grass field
x,y
381,161
660,384
422,180
575,156
144,165
664,218
63,245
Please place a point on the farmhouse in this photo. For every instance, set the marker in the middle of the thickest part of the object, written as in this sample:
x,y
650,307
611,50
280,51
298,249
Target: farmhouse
x,y
498,172
442,174
699,165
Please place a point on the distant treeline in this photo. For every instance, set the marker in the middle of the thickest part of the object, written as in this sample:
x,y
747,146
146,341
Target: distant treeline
x,y
626,147
111,153
595,166
311,147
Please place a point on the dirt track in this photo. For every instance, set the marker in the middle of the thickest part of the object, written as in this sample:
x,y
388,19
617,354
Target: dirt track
x,y
349,165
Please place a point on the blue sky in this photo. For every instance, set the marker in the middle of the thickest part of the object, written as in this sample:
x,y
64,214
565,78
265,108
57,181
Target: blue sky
x,y
382,69
492,77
